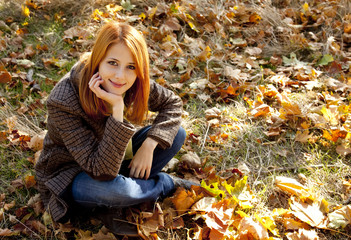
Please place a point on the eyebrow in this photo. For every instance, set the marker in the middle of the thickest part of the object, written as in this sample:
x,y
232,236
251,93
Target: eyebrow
x,y
132,63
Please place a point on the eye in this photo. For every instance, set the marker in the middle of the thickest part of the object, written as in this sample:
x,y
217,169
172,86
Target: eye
x,y
131,67
113,63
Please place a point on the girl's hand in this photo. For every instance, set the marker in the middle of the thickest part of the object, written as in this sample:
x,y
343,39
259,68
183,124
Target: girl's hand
x,y
116,101
140,166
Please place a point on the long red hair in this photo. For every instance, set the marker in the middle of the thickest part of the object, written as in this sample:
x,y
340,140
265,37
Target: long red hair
x,y
136,98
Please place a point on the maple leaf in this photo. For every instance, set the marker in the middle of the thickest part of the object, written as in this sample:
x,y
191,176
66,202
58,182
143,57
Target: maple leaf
x,y
183,200
340,217
249,229
309,213
303,234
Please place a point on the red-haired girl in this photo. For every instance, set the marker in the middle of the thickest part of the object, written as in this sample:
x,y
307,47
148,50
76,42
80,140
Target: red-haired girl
x,y
93,157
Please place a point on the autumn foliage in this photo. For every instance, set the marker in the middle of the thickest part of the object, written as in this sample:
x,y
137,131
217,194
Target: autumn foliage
x,y
287,63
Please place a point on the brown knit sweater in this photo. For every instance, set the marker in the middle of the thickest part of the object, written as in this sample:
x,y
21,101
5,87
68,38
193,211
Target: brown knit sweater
x,y
76,143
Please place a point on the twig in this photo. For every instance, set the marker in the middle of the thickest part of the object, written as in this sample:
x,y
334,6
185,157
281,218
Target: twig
x,y
34,233
204,140
333,230
285,169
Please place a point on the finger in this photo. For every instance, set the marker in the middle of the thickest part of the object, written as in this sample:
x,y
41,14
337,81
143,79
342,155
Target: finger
x,y
147,175
142,173
131,172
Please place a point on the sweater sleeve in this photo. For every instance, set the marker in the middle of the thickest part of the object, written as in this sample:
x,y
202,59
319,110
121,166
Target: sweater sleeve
x,y
169,107
101,159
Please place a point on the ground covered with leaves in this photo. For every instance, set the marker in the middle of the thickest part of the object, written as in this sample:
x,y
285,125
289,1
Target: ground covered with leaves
x,y
266,92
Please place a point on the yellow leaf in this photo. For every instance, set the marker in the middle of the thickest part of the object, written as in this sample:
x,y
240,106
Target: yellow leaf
x,y
269,224
291,186
192,26
25,11
152,12
330,115
142,16
305,7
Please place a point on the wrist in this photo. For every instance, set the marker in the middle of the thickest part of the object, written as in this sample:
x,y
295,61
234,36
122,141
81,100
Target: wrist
x,y
117,113
150,143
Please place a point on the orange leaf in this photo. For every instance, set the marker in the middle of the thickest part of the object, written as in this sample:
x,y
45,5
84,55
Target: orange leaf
x,y
254,18
249,229
5,76
183,200
262,110
347,28
231,90
29,181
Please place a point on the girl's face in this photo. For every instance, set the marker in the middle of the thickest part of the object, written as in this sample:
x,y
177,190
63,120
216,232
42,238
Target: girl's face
x,y
118,69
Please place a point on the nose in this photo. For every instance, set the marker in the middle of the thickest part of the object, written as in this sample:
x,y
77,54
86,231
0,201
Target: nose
x,y
119,73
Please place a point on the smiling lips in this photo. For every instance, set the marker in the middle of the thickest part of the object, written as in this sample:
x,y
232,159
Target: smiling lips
x,y
116,85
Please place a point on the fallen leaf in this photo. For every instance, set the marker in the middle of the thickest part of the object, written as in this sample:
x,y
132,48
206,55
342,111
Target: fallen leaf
x,y
249,229
308,213
340,217
291,186
343,150
303,234
183,200
101,236
29,181
5,76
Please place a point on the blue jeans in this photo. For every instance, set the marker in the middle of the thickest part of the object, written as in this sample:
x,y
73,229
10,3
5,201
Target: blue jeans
x,y
124,191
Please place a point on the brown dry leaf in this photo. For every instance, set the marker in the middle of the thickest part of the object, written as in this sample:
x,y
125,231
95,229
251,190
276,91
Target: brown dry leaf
x,y
38,226
183,200
6,232
29,51
84,235
5,76
291,224
173,24
2,196
219,216
36,157
249,229
212,113
101,236
343,150
29,181
308,213
3,136
10,205
36,142
76,31
303,234
151,221
303,136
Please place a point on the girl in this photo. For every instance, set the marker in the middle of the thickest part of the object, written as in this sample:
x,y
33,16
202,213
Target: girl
x,y
93,156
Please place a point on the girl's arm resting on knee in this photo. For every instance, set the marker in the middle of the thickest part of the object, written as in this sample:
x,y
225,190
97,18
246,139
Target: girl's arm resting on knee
x,y
169,107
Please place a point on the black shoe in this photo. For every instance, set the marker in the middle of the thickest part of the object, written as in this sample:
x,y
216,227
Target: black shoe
x,y
178,182
114,219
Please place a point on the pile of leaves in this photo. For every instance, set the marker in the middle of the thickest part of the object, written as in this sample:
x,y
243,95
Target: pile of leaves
x,y
287,64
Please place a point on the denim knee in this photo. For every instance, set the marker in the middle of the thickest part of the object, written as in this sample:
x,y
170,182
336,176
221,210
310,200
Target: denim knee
x,y
180,137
